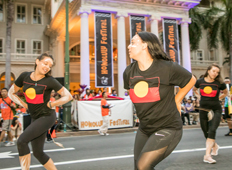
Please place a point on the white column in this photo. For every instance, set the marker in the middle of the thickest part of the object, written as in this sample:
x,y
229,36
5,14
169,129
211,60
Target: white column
x,y
121,32
186,57
85,68
154,25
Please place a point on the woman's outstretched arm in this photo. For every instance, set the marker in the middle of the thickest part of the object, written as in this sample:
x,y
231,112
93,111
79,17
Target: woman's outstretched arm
x,y
13,96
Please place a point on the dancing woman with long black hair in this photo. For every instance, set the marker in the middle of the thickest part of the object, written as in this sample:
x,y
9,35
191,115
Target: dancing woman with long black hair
x,y
151,80
37,87
210,86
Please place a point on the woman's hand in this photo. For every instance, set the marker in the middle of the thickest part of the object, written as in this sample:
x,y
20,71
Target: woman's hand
x,y
48,105
25,106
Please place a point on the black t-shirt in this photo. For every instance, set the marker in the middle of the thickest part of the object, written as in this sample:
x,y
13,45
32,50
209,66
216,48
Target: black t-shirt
x,y
210,93
37,95
152,92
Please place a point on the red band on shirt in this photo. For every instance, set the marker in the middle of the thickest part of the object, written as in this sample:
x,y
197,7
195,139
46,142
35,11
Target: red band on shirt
x,y
152,96
37,100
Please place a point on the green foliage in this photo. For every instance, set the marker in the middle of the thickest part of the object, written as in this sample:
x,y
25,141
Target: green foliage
x,y
195,28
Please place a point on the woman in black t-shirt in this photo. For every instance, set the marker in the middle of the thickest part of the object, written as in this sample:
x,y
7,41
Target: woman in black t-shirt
x,y
37,87
210,86
151,80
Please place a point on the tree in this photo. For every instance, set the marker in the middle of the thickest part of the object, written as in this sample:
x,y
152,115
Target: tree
x,y
218,22
195,28
9,20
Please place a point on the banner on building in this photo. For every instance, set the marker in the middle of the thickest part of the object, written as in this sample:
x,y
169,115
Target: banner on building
x,y
90,117
137,24
171,39
103,50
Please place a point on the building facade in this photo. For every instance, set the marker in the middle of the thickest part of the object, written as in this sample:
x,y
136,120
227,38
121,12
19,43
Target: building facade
x,y
39,26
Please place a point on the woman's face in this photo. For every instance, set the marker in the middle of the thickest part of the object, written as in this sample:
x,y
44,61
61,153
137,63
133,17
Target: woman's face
x,y
213,72
44,65
135,48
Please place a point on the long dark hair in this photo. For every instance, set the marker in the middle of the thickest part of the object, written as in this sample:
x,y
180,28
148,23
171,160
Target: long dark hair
x,y
14,121
218,78
41,57
154,47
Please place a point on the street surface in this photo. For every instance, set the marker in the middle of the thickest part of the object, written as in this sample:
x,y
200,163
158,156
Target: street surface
x,y
115,152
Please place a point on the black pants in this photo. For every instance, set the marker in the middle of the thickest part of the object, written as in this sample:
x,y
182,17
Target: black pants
x,y
183,117
209,127
150,150
36,133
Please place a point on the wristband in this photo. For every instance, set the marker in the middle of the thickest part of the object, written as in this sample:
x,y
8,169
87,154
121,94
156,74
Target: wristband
x,y
50,105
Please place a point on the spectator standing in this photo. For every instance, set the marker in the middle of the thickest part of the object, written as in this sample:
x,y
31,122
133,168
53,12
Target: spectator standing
x,y
87,94
105,115
114,93
99,92
74,110
126,96
7,114
227,116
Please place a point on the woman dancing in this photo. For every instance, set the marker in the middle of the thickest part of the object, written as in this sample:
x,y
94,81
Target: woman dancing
x,y
210,86
151,80
37,87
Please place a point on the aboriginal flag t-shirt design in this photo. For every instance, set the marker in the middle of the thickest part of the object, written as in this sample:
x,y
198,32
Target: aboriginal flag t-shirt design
x,y
34,94
209,90
145,91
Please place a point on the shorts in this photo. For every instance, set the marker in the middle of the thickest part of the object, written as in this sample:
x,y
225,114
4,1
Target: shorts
x,y
6,125
226,113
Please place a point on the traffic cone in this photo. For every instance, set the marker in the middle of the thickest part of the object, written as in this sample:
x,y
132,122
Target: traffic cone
x,y
53,135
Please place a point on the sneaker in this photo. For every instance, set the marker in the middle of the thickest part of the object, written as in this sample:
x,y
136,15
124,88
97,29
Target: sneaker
x,y
228,134
216,152
107,134
102,134
10,144
14,139
209,160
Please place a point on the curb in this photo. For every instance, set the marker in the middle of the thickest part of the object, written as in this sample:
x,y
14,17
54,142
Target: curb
x,y
70,133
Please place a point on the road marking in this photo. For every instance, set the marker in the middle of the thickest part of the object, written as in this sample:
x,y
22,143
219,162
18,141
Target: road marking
x,y
110,158
11,155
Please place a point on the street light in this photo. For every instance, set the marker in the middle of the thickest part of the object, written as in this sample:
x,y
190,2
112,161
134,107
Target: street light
x,y
67,106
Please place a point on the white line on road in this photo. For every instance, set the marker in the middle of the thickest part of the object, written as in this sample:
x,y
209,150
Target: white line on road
x,y
112,157
10,155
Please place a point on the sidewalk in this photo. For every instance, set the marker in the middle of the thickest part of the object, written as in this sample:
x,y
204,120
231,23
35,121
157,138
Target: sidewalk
x,y
69,133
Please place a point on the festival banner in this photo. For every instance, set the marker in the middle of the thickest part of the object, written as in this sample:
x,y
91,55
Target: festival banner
x,y
171,39
90,117
103,50
137,24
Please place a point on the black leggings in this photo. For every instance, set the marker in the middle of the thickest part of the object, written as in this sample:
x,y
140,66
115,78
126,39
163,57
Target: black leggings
x,y
36,133
209,127
150,150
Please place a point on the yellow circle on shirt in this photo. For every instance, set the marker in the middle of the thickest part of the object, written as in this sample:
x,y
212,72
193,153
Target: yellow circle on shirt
x,y
141,89
208,90
30,93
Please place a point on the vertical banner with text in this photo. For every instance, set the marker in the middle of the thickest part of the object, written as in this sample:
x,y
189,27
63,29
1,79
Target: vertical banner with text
x,y
171,39
137,24
103,50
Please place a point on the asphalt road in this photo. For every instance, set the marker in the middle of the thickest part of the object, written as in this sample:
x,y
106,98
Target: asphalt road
x,y
115,152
